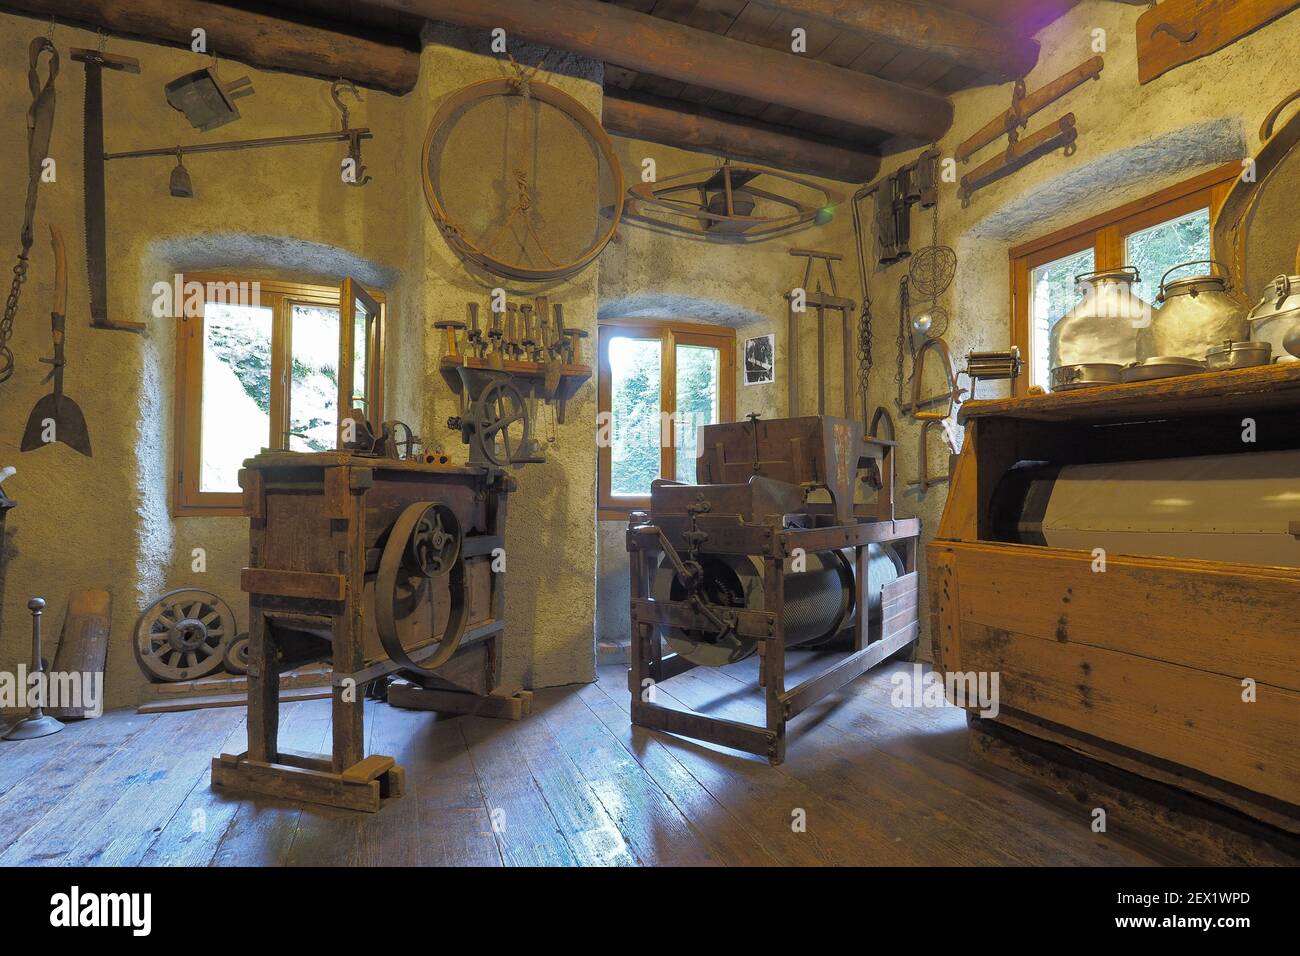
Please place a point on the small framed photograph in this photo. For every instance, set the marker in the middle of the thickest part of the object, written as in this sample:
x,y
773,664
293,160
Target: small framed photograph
x,y
760,360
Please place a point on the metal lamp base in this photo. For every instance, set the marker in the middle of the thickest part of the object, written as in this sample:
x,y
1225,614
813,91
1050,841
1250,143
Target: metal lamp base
x,y
29,728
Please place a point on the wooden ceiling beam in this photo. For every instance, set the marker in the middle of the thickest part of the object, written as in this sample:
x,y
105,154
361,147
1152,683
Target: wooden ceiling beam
x,y
260,40
951,35
686,126
649,44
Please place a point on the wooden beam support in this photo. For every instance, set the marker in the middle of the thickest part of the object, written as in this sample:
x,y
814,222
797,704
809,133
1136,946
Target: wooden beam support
x,y
952,35
686,126
649,44
257,39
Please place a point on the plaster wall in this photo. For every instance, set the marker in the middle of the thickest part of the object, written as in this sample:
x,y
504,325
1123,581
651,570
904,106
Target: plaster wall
x,y
274,213
1133,140
649,273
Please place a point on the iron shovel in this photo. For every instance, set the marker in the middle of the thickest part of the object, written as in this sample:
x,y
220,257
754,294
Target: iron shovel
x,y
57,417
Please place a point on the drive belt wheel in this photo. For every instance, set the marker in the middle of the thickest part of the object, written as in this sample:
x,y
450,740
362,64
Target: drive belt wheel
x,y
423,542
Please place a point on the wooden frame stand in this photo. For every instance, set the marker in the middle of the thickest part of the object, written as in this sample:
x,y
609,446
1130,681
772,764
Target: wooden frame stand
x,y
320,525
778,461
896,629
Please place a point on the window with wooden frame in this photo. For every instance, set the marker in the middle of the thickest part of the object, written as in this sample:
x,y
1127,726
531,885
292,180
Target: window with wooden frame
x,y
267,364
1153,234
657,382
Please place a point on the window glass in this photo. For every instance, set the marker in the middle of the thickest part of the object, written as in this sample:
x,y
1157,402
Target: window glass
x,y
360,350
314,377
1156,250
698,374
1052,294
634,415
236,397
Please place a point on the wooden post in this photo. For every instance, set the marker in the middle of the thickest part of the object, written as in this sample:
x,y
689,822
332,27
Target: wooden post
x,y
348,708
263,688
774,658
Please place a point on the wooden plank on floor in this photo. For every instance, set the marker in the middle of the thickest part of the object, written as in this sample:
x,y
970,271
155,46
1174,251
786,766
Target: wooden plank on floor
x,y
77,751
727,837
581,806
656,830
442,820
767,800
330,836
262,830
525,826
144,807
192,834
144,761
926,749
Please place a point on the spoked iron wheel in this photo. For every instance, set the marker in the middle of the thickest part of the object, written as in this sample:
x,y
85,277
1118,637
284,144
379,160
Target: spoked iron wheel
x,y
501,409
183,635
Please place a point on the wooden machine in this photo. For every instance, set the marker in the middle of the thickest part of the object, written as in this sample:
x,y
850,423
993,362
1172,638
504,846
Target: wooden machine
x,y
383,562
1127,559
747,561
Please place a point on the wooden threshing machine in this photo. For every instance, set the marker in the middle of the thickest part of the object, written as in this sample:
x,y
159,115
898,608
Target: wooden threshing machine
x,y
746,561
381,561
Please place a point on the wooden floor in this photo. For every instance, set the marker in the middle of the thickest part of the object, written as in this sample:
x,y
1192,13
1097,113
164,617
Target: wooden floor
x,y
574,783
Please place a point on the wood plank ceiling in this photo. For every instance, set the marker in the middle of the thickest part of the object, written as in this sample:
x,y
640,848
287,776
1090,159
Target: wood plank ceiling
x,y
763,25
933,47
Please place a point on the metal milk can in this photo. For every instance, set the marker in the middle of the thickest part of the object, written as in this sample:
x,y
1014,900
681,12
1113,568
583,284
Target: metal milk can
x,y
1196,314
1277,317
1104,328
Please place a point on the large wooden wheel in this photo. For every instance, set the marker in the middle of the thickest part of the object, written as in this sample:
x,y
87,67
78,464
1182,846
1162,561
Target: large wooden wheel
x,y
507,233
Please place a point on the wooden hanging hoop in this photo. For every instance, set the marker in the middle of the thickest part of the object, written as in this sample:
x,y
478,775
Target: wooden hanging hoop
x,y
454,233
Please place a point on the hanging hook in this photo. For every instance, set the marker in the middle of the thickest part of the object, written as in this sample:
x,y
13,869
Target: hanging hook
x,y
338,87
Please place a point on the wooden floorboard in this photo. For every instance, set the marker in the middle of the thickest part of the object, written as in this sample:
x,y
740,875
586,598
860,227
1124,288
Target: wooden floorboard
x,y
864,782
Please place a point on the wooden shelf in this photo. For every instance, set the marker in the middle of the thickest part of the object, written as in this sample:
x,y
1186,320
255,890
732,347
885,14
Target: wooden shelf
x,y
1239,390
529,374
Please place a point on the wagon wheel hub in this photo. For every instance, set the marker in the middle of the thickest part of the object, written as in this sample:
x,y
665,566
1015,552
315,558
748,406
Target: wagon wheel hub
x,y
187,634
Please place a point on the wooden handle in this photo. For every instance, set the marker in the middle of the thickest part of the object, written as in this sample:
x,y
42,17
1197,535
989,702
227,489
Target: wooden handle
x,y
60,271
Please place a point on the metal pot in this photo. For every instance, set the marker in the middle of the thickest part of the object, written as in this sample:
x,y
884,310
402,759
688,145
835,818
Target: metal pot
x,y
1277,316
1160,366
1104,327
1292,341
1087,375
1197,313
1238,355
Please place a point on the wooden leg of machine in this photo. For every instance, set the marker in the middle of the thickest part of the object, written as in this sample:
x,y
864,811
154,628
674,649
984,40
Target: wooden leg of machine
x,y
346,778
263,689
773,664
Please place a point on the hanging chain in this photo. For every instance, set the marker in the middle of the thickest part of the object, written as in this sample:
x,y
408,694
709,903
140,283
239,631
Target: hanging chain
x,y
904,336
865,357
934,256
11,310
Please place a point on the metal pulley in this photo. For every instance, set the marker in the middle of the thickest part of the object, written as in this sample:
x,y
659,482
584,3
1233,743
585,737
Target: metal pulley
x,y
496,424
423,546
818,602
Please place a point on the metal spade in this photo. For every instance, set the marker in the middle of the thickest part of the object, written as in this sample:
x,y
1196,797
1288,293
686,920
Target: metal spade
x,y
56,417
